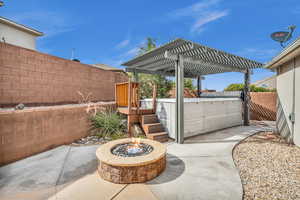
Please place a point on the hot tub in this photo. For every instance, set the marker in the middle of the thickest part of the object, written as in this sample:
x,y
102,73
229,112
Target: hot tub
x,y
201,115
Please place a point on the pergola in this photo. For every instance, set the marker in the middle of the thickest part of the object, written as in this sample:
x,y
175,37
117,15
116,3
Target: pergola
x,y
182,58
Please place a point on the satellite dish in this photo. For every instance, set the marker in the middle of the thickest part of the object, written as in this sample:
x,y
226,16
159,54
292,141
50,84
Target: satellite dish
x,y
283,36
280,36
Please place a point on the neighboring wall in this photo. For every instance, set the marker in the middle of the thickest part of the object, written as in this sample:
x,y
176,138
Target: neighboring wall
x,y
17,37
31,77
34,78
286,95
30,131
263,105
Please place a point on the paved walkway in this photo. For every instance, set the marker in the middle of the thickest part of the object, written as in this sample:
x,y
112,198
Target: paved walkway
x,y
202,168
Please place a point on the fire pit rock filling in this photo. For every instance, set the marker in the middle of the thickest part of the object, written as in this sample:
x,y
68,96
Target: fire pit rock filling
x,y
131,160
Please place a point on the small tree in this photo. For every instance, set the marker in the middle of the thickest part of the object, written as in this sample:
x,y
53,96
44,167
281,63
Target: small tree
x,y
146,86
148,46
147,81
188,83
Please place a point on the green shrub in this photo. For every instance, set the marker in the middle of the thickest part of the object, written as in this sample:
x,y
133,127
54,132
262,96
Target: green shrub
x,y
146,82
235,87
108,124
253,88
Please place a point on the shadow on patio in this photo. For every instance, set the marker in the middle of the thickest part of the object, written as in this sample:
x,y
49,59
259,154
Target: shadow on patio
x,y
175,168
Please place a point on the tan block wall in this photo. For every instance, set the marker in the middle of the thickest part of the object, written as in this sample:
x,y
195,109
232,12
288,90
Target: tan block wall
x,y
265,99
30,131
263,105
31,77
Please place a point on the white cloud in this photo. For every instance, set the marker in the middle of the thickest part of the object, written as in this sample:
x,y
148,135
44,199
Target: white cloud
x,y
202,20
126,54
116,61
202,13
123,44
134,50
50,23
131,52
194,9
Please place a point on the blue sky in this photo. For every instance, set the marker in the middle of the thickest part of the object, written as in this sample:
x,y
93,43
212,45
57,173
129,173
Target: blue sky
x,y
111,31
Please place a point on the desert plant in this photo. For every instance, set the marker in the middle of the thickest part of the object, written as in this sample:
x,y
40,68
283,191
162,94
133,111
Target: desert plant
x,y
108,123
84,98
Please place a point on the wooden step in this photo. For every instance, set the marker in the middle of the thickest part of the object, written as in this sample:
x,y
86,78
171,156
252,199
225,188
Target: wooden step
x,y
146,111
149,119
161,136
153,128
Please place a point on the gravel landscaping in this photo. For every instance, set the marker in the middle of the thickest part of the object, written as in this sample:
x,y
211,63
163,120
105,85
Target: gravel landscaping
x,y
269,167
94,139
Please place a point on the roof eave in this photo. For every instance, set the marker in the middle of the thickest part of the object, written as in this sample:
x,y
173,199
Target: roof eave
x,y
290,51
21,27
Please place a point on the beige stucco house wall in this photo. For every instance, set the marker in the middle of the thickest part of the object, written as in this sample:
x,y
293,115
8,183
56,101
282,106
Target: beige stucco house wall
x,y
287,65
268,83
17,34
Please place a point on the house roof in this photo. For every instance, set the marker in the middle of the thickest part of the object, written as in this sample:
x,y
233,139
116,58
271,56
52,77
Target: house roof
x,y
264,80
269,82
108,68
285,55
197,60
21,27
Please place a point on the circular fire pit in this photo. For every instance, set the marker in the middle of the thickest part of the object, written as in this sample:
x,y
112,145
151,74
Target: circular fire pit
x,y
131,160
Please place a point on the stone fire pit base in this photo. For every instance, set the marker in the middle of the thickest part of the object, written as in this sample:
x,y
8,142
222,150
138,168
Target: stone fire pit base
x,y
124,170
138,174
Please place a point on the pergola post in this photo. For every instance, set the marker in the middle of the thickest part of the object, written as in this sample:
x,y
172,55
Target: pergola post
x,y
135,76
179,120
199,85
246,97
129,117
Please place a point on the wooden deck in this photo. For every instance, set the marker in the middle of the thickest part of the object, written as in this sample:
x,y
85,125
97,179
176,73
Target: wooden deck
x,y
128,103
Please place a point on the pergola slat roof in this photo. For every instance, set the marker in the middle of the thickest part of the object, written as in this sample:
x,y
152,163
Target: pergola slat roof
x,y
198,60
184,58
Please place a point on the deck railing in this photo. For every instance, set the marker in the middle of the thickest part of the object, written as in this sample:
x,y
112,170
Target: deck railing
x,y
127,92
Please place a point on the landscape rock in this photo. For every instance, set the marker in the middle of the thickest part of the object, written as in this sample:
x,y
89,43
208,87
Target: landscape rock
x,y
269,167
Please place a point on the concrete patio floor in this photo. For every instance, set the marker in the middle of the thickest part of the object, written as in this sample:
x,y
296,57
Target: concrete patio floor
x,y
202,168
